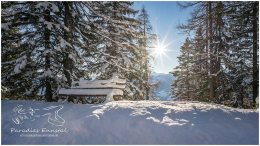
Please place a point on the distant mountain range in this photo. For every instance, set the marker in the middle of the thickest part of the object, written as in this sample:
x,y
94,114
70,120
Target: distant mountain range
x,y
163,92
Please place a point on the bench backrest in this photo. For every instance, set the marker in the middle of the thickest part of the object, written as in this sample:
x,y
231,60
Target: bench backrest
x,y
113,82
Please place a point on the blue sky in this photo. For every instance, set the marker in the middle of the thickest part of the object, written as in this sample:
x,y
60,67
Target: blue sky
x,y
165,16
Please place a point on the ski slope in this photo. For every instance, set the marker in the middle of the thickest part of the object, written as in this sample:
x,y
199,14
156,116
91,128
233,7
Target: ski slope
x,y
127,122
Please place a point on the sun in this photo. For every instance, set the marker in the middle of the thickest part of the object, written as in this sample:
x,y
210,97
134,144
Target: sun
x,y
159,50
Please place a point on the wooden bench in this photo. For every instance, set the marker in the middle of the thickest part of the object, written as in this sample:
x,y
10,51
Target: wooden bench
x,y
111,89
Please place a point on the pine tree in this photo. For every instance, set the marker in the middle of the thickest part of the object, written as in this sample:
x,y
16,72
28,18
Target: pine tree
x,y
229,30
116,27
145,30
52,45
199,67
17,65
64,41
202,18
241,47
182,85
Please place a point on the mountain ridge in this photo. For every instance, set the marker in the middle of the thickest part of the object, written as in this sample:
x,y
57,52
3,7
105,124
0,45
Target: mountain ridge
x,y
163,92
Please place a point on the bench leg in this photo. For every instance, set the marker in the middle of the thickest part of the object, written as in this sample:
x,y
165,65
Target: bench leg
x,y
109,98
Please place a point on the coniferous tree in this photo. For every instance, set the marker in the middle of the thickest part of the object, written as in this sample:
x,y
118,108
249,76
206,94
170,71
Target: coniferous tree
x,y
64,43
182,85
241,51
227,67
118,50
199,68
145,30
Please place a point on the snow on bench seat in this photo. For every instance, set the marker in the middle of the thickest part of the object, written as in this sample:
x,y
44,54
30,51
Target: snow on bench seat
x,y
91,92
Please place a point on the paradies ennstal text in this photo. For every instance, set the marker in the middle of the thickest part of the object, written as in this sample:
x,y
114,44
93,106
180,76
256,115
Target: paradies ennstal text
x,y
39,130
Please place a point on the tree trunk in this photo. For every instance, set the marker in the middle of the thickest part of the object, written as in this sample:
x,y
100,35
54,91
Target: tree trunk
x,y
48,91
146,60
67,67
67,62
211,80
220,49
255,48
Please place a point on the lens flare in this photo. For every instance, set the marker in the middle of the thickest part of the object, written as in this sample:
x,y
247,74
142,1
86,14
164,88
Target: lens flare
x,y
159,49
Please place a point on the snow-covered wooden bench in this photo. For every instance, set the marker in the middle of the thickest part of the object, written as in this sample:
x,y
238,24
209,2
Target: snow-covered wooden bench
x,y
110,89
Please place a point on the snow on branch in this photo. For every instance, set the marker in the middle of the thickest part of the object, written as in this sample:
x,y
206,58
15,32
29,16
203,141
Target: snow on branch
x,y
20,64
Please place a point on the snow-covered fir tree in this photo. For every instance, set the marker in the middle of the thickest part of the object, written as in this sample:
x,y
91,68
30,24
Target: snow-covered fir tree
x,y
241,18
63,41
182,85
226,63
117,52
145,41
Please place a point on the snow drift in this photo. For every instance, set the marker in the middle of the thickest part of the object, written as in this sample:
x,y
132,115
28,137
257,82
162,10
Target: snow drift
x,y
127,122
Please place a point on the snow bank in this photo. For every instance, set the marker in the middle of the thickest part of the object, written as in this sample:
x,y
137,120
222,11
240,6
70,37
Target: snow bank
x,y
127,122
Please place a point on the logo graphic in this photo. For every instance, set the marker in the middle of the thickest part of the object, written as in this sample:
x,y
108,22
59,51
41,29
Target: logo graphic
x,y
22,113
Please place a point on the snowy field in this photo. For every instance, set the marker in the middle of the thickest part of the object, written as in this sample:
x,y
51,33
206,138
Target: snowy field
x,y
127,122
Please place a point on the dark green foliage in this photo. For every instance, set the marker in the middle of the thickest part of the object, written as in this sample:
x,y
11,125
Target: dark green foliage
x,y
224,62
48,45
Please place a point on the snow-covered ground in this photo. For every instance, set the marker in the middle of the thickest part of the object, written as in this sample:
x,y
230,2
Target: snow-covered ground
x,y
127,122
